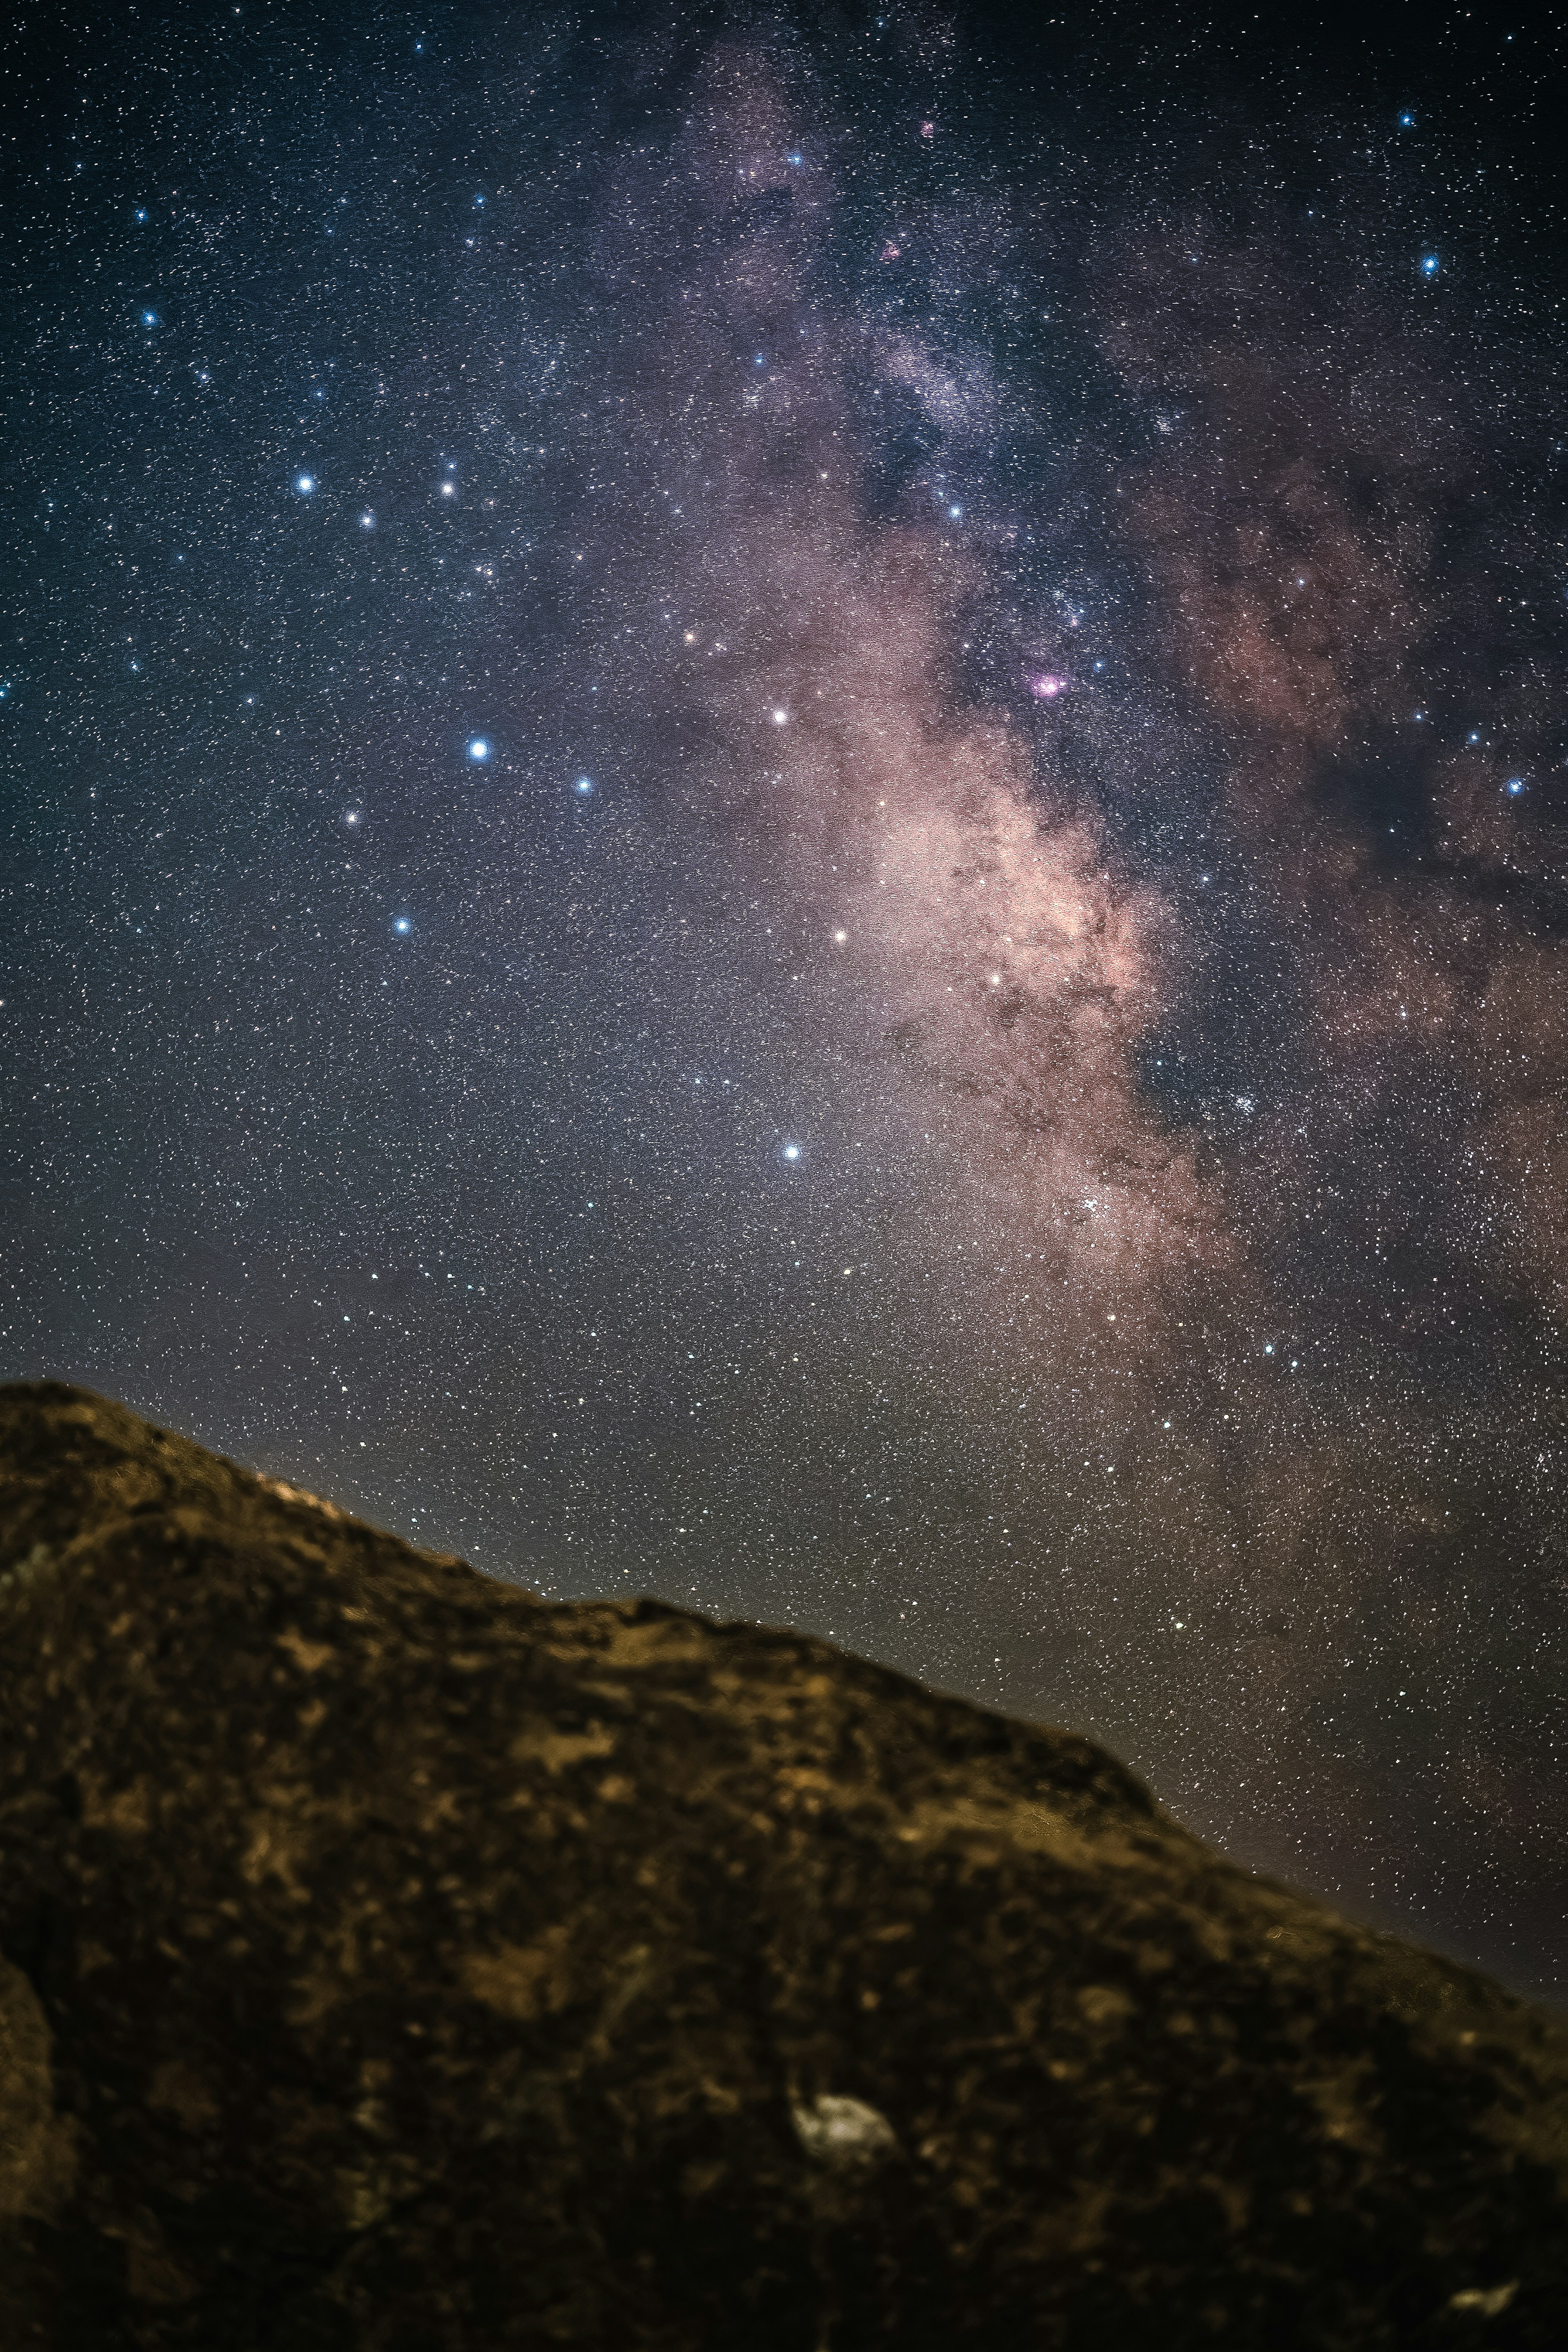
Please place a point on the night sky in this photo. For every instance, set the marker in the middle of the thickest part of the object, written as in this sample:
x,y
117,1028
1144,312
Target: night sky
x,y
784,814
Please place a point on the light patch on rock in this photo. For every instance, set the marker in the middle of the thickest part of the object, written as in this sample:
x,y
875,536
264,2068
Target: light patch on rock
x,y
300,1495
1486,2302
38,2157
24,1572
843,2134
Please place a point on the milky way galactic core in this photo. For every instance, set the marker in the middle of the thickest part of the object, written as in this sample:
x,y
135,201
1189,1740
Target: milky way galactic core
x,y
785,818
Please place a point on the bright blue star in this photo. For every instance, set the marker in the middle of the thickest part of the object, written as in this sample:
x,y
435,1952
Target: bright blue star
x,y
402,925
1408,122
479,203
796,159
1514,786
791,1151
140,212
367,522
150,317
479,748
583,786
1430,265
304,484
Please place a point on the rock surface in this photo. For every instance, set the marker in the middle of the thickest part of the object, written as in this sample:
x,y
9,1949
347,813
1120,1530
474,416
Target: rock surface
x,y
391,1960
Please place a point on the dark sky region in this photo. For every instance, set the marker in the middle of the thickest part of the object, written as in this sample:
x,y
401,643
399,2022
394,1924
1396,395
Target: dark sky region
x,y
784,821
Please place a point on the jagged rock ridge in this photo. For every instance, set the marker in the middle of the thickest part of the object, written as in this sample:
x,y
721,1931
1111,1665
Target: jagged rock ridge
x,y
389,1960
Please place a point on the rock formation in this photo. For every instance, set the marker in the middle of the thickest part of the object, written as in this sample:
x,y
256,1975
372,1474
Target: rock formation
x,y
389,1960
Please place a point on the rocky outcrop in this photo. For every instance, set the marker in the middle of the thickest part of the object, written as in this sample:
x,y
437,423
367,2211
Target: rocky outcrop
x,y
391,1960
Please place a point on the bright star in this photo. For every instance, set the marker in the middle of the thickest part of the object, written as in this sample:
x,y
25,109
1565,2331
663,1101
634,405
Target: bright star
x,y
479,748
150,317
1406,123
780,718
449,490
1430,265
582,787
367,522
304,484
791,1151
403,924
840,937
1514,786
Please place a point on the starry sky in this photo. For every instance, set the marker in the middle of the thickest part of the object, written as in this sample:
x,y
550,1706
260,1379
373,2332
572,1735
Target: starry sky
x,y
784,801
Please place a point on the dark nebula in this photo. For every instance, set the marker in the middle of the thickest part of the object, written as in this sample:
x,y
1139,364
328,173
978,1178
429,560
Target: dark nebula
x,y
785,822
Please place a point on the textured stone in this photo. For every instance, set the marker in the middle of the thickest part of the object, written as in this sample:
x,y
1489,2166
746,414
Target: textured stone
x,y
391,1960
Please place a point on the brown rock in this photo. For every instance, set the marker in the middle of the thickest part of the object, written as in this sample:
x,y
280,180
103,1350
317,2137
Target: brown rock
x,y
392,1962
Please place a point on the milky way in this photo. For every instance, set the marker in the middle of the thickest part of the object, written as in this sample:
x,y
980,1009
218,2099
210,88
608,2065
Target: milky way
x,y
786,823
